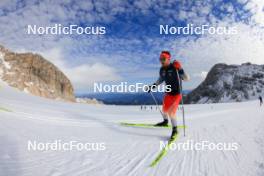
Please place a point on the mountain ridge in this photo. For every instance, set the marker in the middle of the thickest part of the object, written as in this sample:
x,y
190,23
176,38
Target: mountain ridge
x,y
32,73
229,83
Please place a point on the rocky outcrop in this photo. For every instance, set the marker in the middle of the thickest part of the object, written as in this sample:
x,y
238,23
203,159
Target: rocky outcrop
x,y
34,74
229,83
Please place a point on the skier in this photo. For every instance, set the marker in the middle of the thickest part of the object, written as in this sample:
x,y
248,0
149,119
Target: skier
x,y
170,72
260,100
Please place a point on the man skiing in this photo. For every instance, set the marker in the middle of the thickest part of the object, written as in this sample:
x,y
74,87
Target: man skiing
x,y
260,100
170,73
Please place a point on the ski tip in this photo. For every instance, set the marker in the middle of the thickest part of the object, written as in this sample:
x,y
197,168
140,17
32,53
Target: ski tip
x,y
5,109
164,151
172,139
152,165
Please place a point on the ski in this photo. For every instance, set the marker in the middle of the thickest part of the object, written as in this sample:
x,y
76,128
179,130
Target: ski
x,y
164,151
4,109
146,125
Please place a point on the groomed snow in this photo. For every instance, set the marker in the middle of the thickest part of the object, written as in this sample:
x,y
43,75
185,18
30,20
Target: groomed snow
x,y
129,150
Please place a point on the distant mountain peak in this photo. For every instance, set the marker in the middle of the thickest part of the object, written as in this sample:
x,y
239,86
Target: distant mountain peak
x,y
229,83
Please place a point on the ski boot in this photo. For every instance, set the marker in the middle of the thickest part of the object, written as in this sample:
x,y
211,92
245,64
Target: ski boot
x,y
163,123
174,133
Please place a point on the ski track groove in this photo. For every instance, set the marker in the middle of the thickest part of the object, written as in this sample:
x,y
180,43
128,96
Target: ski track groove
x,y
170,170
84,166
139,163
217,138
128,162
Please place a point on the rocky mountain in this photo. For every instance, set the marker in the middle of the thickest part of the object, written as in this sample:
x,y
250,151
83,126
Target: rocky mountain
x,y
32,73
229,83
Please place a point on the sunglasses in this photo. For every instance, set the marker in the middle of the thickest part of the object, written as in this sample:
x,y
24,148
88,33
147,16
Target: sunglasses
x,y
163,60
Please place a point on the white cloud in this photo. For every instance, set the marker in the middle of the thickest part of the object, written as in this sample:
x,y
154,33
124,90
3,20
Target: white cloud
x,y
82,76
246,46
203,74
257,8
201,54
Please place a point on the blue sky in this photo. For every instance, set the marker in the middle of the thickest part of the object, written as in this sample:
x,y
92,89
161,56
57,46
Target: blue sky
x,y
130,49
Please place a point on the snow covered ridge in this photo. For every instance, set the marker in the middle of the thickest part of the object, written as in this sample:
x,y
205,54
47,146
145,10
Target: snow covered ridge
x,y
88,101
4,66
230,83
33,74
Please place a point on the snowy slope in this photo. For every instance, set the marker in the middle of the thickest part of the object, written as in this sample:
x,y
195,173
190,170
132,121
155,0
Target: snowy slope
x,y
129,150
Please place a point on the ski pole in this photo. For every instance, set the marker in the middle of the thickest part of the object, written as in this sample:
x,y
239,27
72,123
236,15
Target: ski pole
x,y
183,113
153,97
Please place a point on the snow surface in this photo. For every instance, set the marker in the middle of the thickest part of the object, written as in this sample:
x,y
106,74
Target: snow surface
x,y
129,150
2,61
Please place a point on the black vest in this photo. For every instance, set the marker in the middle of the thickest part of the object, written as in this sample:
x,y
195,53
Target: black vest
x,y
169,75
